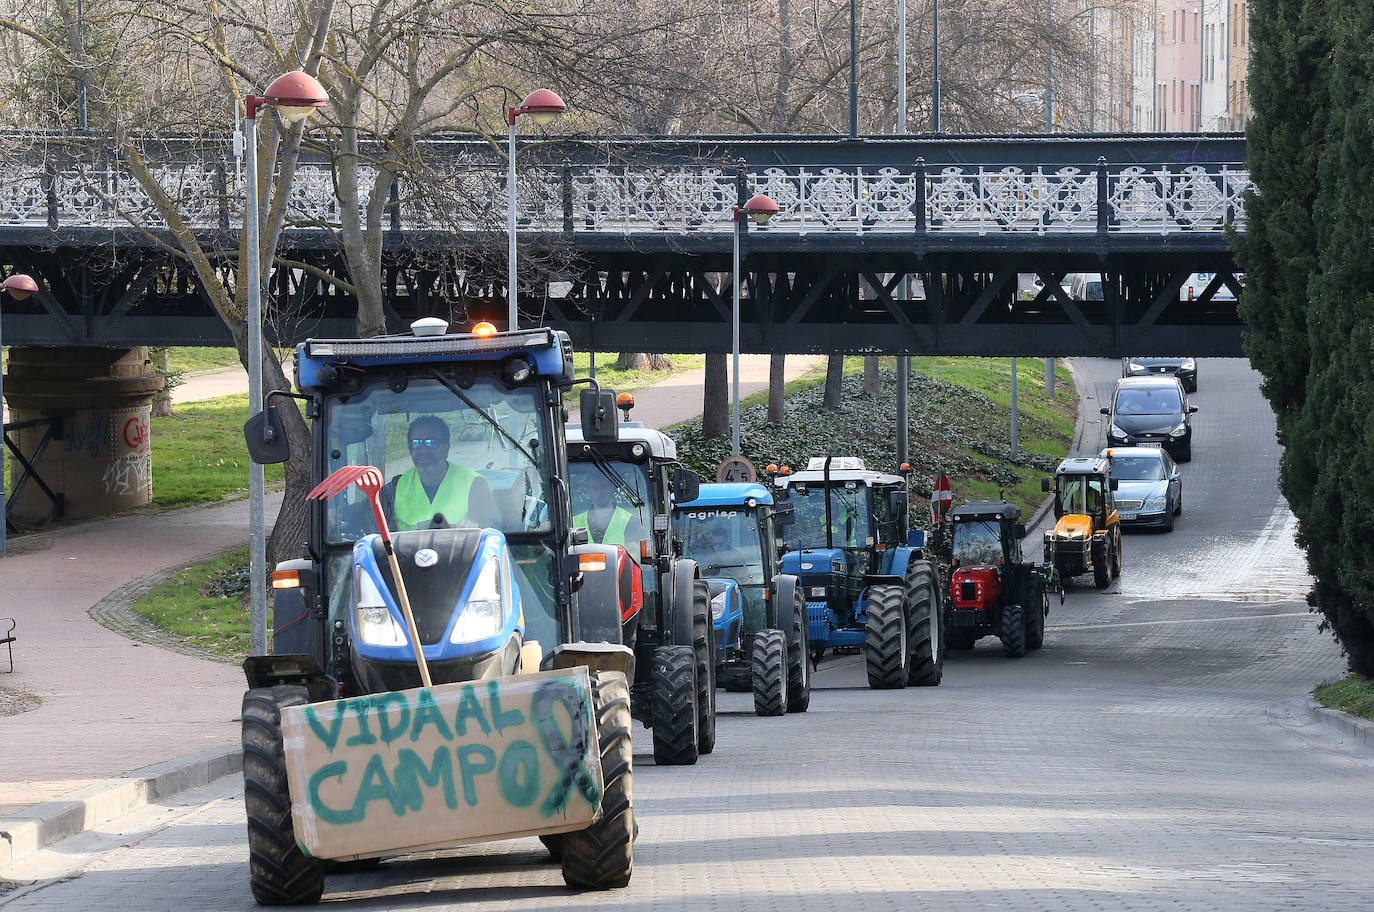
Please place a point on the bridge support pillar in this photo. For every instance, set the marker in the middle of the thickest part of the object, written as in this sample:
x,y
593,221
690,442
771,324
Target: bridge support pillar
x,y
92,405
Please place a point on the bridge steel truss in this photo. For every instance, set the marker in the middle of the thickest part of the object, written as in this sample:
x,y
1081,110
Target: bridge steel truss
x,y
635,248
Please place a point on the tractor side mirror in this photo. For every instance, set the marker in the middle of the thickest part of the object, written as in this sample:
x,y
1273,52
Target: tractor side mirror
x,y
785,514
1020,530
1104,411
266,437
897,501
598,416
1116,483
686,486
1045,485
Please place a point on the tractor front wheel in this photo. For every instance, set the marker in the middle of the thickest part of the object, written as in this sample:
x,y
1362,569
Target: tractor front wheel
x,y
927,664
885,637
281,874
798,659
1013,633
1035,630
602,856
704,648
674,711
768,665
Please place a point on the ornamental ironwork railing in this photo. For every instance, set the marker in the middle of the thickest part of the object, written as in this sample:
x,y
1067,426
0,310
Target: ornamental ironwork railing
x,y
624,200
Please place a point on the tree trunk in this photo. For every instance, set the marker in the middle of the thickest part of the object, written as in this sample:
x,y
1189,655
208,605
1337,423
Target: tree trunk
x,y
777,387
834,373
643,362
162,402
871,384
715,401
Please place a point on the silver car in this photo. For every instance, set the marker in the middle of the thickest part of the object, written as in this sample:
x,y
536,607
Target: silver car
x,y
1149,490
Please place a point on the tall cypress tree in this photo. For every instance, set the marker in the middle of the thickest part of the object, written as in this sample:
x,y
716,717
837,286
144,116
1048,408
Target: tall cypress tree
x,y
1336,423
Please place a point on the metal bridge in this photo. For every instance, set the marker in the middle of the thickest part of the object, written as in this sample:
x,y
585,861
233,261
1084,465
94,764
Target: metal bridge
x,y
631,240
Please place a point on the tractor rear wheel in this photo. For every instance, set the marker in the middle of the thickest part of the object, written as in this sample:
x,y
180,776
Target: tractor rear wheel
x,y
885,637
927,664
674,711
704,648
768,665
602,856
281,874
1013,633
798,659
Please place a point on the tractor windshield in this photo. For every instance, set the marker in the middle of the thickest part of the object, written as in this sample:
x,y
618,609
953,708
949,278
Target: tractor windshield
x,y
725,542
610,498
1079,495
849,515
977,542
480,456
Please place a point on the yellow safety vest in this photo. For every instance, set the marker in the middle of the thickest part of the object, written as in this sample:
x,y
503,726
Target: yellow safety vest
x,y
615,529
413,505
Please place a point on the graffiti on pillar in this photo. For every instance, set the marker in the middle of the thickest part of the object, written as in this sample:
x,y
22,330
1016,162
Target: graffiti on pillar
x,y
87,434
136,433
129,475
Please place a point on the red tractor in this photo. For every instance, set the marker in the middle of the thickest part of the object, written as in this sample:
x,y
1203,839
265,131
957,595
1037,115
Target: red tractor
x,y
993,592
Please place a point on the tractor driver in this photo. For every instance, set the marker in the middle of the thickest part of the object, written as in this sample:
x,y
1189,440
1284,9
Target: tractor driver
x,y
607,522
435,487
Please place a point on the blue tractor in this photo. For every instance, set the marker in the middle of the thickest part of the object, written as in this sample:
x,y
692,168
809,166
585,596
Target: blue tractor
x,y
867,580
733,533
489,558
623,491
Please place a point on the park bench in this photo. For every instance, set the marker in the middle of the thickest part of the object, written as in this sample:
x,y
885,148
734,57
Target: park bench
x,y
8,641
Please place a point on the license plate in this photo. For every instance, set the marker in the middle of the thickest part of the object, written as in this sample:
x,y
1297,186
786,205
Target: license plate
x,y
1150,443
1128,516
818,592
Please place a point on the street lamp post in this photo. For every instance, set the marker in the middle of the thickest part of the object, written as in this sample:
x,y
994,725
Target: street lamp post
x,y
543,107
295,95
19,287
760,208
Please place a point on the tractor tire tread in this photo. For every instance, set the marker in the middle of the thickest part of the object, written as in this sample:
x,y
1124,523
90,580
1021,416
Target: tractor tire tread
x,y
601,857
926,666
1013,632
885,647
280,873
674,709
704,648
768,669
798,659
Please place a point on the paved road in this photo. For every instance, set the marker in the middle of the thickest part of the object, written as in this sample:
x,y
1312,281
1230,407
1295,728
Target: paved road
x,y
1154,755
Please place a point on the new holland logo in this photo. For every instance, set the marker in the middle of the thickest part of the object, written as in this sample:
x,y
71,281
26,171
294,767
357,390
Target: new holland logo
x,y
426,557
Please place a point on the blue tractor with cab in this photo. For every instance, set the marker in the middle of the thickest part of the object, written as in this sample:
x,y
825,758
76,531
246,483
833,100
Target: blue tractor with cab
x,y
494,581
733,532
868,583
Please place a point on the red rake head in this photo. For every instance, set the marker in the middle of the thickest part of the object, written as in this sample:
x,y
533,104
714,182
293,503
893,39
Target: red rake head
x,y
368,479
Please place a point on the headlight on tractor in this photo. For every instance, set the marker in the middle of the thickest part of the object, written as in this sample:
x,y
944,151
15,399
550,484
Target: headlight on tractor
x,y
718,605
376,626
484,613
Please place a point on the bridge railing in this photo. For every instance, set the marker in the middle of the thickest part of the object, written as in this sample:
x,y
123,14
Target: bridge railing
x,y
625,200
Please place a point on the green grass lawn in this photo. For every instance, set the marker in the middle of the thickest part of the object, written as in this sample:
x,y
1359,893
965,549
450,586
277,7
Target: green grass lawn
x,y
190,359
199,455
1354,695
205,606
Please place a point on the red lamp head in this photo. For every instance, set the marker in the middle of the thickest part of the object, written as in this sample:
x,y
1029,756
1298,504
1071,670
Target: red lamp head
x,y
296,95
760,208
543,106
20,286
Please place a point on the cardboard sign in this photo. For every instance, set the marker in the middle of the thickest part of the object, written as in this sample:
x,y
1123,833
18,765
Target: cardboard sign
x,y
441,766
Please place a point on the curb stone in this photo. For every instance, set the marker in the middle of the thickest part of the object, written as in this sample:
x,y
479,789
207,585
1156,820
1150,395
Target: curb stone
x,y
1361,730
51,821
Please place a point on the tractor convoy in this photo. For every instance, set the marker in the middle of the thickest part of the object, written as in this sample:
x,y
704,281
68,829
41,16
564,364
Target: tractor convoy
x,y
487,597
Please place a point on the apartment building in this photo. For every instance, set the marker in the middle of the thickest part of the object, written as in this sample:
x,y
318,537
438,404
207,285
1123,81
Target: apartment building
x,y
1188,65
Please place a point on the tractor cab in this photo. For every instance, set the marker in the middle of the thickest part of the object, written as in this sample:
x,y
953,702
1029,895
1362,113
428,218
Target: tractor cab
x,y
1087,532
843,508
486,551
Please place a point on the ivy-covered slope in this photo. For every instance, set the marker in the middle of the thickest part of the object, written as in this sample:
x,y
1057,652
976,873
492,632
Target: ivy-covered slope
x,y
956,429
